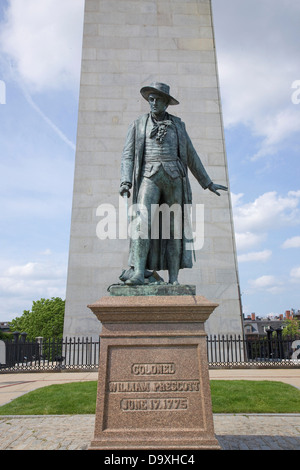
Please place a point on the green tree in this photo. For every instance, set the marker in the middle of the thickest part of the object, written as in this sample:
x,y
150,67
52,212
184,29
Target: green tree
x,y
291,328
4,336
45,319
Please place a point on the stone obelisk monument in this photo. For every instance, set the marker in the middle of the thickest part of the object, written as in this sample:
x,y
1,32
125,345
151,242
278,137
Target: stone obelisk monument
x,y
128,44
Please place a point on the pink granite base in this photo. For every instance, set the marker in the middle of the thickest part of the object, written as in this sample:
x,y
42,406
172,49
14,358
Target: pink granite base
x,y
153,386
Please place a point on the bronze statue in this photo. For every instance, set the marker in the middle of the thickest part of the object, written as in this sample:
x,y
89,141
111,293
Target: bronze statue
x,y
156,156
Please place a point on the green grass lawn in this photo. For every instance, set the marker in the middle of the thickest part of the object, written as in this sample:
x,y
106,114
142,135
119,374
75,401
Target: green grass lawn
x,y
70,398
228,396
243,396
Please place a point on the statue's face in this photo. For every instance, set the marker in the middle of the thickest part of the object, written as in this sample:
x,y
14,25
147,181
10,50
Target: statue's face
x,y
158,104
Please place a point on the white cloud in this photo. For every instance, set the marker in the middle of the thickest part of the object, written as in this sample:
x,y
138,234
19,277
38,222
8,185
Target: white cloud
x,y
257,71
255,256
247,240
254,220
267,283
276,129
43,38
236,199
263,281
26,270
295,274
249,86
31,281
35,271
293,242
47,252
268,211
294,193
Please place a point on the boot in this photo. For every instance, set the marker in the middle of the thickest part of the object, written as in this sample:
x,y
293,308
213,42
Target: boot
x,y
136,280
140,248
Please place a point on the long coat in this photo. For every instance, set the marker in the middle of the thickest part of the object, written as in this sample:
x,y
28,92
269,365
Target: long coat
x,y
131,166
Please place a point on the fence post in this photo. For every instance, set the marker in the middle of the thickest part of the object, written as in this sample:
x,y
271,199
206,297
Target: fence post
x,y
269,332
39,340
279,339
23,337
16,351
2,353
16,336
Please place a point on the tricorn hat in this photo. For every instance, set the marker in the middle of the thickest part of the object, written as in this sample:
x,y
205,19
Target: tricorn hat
x,y
160,88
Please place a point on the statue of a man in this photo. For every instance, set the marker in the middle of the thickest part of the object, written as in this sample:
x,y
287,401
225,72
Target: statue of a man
x,y
156,156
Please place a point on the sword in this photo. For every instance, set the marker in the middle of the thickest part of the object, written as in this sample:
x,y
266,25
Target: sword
x,y
126,195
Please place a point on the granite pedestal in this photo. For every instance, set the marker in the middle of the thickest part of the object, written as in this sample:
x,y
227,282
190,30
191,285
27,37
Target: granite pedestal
x,y
153,387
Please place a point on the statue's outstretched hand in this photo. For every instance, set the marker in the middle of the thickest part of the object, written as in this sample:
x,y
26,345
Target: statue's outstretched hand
x,y
216,187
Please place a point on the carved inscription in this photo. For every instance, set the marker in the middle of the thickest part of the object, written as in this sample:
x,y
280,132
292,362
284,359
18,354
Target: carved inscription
x,y
149,404
153,369
153,386
177,386
115,387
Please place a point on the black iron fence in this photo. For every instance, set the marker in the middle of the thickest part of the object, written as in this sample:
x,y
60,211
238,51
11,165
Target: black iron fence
x,y
83,353
51,354
236,351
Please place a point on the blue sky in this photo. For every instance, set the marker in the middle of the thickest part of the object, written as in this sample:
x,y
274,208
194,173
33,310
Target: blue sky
x,y
258,56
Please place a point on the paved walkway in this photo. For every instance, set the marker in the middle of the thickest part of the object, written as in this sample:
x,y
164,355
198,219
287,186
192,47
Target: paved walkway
x,y
234,432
